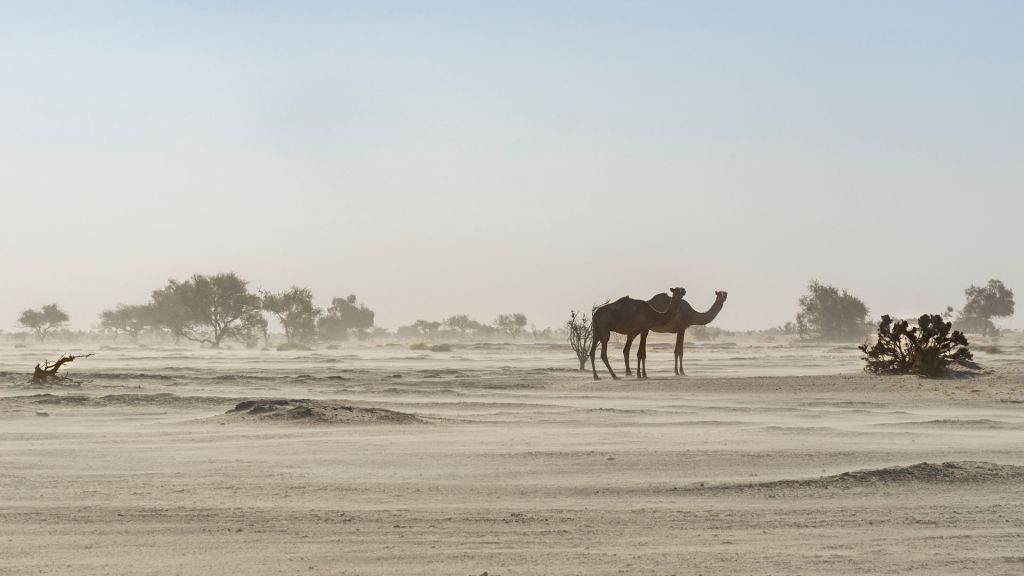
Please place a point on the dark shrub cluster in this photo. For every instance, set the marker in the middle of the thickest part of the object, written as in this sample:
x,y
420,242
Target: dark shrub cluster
x,y
927,349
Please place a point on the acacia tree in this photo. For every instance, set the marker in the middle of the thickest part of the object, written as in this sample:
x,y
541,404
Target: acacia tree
x,y
426,327
513,323
462,323
168,311
296,312
130,319
343,315
830,314
984,303
208,309
51,317
580,333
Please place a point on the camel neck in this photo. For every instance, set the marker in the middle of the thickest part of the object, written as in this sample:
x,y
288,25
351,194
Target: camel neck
x,y
702,318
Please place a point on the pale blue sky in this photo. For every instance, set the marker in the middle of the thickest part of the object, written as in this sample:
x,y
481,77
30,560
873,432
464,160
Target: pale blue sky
x,y
447,157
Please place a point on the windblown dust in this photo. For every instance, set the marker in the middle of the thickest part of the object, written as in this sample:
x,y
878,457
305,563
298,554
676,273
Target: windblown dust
x,y
505,460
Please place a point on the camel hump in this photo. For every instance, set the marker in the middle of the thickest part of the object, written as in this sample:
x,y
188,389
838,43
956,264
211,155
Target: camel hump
x,y
623,300
660,302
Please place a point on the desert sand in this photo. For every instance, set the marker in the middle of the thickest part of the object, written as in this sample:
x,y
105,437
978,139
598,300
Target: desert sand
x,y
770,458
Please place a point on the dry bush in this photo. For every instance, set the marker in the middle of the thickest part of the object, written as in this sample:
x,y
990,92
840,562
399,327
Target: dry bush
x,y
580,333
927,349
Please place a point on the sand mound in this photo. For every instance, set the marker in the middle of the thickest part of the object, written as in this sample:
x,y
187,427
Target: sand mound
x,y
160,399
964,472
315,412
981,423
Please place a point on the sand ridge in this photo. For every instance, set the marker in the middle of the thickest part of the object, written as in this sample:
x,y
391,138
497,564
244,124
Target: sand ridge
x,y
270,462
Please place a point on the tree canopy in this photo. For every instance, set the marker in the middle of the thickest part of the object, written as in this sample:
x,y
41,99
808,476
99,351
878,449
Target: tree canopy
x,y
984,303
296,312
831,314
130,319
512,324
343,315
208,309
462,323
51,317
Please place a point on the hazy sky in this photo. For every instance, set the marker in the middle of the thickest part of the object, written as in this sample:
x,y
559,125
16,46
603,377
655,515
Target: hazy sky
x,y
482,157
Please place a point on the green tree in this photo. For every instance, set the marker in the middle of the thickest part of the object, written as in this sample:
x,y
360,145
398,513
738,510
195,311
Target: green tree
x,y
426,327
984,303
208,309
343,315
44,321
512,324
130,319
462,323
831,314
169,311
296,312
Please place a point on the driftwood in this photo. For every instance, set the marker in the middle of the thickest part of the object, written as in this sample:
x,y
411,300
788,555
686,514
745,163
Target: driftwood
x,y
49,369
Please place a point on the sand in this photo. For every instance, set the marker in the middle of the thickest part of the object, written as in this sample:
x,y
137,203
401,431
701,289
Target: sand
x,y
505,460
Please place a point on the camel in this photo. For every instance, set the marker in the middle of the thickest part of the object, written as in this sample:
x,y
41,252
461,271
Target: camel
x,y
630,317
684,317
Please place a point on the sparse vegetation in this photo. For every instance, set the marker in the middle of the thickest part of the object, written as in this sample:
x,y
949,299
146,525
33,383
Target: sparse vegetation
x,y
289,346
48,370
343,316
422,346
208,309
705,333
993,300
580,333
927,349
295,311
827,313
462,323
42,322
511,324
130,319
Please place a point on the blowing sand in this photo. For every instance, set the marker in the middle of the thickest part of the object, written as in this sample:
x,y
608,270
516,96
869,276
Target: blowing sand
x,y
502,460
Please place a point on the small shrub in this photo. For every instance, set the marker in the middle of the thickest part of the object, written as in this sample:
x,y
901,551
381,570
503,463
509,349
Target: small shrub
x,y
292,346
431,347
926,349
580,332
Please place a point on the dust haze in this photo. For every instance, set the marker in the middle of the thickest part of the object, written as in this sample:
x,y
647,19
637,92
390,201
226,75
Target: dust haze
x,y
506,288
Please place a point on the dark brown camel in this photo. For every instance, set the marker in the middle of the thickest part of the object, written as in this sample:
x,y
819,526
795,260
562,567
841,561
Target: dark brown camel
x,y
630,317
684,317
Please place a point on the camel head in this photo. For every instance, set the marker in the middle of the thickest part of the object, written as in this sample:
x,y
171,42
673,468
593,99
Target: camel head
x,y
721,295
678,291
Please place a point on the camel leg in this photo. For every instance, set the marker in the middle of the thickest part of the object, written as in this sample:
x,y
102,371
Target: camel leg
x,y
675,353
641,357
593,350
679,353
604,357
625,351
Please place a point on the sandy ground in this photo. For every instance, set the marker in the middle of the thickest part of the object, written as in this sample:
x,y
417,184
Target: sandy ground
x,y
505,467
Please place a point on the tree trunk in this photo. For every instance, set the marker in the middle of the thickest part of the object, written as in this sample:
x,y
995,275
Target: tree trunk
x,y
48,370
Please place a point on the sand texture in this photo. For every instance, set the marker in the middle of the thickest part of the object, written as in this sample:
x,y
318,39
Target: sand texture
x,y
504,459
